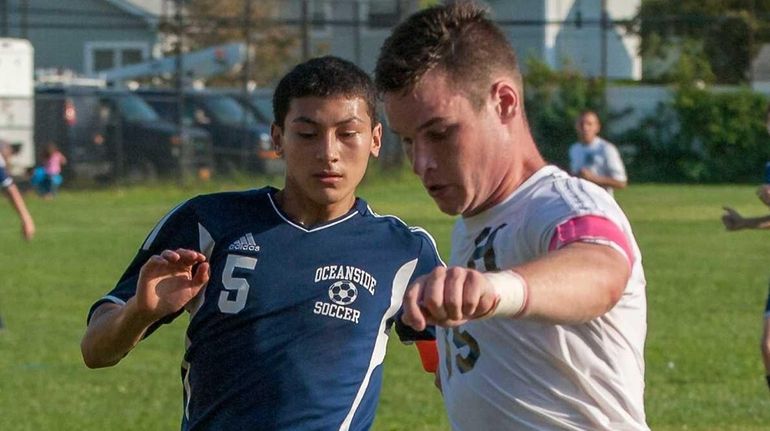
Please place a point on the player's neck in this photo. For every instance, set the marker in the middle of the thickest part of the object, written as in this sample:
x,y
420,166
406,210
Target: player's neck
x,y
308,213
512,178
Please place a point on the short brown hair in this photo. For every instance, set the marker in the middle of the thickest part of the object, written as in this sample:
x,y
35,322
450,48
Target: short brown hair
x,y
458,39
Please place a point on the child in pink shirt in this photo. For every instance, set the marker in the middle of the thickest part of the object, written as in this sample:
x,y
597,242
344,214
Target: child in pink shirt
x,y
53,160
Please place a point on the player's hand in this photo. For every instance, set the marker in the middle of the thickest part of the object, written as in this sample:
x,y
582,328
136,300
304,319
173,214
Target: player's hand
x,y
587,174
448,297
28,230
763,193
732,219
167,282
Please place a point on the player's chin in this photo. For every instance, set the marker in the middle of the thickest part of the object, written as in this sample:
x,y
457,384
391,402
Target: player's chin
x,y
448,206
331,195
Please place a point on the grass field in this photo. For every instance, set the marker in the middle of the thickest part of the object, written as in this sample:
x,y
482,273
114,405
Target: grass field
x,y
706,291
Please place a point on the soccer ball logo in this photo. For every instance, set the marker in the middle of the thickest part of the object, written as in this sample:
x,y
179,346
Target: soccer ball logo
x,y
343,292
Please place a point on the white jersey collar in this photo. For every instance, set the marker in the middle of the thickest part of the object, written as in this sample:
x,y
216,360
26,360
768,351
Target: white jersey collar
x,y
482,219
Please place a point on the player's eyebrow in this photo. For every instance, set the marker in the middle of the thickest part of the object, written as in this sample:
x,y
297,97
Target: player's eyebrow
x,y
308,120
430,122
423,126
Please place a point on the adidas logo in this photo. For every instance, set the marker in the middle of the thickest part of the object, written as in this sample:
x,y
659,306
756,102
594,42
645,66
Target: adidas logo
x,y
245,243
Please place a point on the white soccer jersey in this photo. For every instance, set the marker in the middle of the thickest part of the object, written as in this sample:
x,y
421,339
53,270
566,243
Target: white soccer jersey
x,y
507,374
600,157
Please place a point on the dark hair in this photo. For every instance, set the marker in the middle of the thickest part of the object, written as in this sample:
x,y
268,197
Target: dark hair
x,y
324,77
458,39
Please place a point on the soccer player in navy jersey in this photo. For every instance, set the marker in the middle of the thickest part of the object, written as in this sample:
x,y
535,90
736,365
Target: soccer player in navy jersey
x,y
291,292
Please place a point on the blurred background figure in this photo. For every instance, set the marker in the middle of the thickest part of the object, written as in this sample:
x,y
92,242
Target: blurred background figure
x,y
12,192
14,196
593,158
735,221
47,178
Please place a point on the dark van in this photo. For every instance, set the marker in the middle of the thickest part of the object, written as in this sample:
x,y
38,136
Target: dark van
x,y
112,133
240,141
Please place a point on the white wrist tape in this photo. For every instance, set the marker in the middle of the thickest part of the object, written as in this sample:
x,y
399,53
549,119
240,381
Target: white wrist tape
x,y
512,293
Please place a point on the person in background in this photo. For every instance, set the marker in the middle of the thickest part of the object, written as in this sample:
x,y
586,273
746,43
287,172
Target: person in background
x,y
12,193
14,196
593,158
734,221
48,177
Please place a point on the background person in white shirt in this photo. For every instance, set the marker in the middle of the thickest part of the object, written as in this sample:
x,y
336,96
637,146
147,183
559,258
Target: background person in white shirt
x,y
593,158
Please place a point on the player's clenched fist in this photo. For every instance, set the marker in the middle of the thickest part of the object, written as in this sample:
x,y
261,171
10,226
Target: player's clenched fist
x,y
170,280
452,296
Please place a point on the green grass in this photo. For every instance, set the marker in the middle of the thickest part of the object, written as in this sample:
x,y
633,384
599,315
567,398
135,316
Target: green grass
x,y
706,291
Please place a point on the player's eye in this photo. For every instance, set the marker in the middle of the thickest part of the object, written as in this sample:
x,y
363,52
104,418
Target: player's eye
x,y
348,133
437,135
306,135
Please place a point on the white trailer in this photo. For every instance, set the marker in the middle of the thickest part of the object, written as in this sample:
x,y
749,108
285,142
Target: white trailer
x,y
17,95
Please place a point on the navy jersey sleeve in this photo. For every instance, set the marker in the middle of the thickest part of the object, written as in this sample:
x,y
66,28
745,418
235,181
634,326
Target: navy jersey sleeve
x,y
427,261
177,229
5,179
429,257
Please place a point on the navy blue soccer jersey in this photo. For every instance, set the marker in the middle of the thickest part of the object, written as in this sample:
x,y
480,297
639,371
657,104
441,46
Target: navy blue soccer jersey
x,y
291,330
5,179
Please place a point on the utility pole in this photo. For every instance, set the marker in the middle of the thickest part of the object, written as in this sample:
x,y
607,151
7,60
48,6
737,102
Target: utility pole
x,y
750,28
179,20
24,21
357,30
603,31
305,30
604,27
246,76
4,17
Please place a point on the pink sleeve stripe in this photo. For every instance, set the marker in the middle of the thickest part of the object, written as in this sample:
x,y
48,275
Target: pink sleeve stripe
x,y
591,228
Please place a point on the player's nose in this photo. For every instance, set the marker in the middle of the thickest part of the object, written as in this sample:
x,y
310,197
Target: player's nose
x,y
423,160
328,149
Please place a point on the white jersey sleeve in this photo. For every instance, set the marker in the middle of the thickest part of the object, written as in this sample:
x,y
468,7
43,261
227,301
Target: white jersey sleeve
x,y
615,167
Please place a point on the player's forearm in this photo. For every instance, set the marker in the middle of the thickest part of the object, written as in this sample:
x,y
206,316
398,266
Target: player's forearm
x,y
609,182
576,284
113,331
18,204
756,222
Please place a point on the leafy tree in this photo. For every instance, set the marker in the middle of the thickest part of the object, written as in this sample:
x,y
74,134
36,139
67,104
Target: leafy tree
x,y
214,22
731,31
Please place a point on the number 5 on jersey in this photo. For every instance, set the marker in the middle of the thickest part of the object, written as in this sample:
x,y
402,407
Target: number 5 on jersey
x,y
237,285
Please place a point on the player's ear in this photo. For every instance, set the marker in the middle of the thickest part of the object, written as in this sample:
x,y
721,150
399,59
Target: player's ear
x,y
276,134
376,140
506,99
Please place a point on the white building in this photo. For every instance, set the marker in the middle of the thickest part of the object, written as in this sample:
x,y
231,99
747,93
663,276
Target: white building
x,y
559,32
570,32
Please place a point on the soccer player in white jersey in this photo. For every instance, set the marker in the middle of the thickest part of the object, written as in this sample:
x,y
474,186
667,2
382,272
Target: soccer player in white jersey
x,y
594,158
543,308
